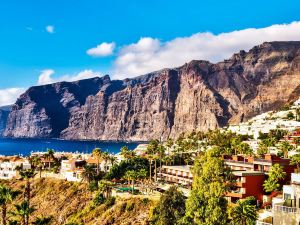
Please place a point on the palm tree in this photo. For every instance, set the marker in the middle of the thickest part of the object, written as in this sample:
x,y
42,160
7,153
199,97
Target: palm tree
x,y
106,187
153,149
7,195
105,157
36,162
243,213
23,210
168,160
132,176
97,154
161,152
50,155
142,175
113,160
88,173
43,220
27,175
126,153
150,159
295,160
285,147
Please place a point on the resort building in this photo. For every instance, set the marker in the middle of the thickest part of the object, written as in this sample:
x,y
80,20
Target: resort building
x,y
8,167
177,174
248,183
249,163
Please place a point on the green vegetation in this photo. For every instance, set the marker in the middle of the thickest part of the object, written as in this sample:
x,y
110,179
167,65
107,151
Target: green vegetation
x,y
207,204
244,212
119,170
276,175
170,208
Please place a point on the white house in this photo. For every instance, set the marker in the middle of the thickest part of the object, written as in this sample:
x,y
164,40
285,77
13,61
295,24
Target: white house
x,y
8,167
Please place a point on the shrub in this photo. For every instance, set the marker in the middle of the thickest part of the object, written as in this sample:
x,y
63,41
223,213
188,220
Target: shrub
x,y
145,201
110,201
93,186
130,206
99,199
123,207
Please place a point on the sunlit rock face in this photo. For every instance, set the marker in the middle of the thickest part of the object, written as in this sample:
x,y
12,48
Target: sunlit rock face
x,y
196,96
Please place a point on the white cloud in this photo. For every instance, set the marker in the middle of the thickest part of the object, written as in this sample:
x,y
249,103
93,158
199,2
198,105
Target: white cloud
x,y
8,96
104,49
50,29
46,76
150,54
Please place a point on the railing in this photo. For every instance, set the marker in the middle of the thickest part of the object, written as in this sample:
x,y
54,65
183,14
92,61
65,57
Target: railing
x,y
262,160
262,223
237,162
280,208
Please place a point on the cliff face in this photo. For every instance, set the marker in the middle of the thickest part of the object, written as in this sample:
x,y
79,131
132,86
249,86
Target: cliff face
x,y
4,111
197,96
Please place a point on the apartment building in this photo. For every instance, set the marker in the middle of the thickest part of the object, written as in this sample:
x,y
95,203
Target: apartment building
x,y
248,183
286,208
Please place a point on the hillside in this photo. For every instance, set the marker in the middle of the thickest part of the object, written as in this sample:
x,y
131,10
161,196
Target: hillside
x,y
70,202
196,96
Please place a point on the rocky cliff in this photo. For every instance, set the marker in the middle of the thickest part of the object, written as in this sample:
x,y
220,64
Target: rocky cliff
x,y
4,111
196,96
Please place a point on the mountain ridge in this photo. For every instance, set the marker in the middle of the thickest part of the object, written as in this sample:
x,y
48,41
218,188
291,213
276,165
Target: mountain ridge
x,y
196,96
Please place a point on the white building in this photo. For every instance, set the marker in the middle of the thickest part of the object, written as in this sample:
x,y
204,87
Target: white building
x,y
8,167
285,209
71,169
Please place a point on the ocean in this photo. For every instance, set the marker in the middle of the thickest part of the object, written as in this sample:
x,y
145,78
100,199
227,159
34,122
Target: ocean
x,y
25,146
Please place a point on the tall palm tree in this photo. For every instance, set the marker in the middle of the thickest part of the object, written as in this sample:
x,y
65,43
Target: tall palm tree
x,y
105,157
7,195
36,162
106,187
43,220
88,173
285,147
50,155
161,152
126,153
153,149
24,210
150,159
132,176
113,160
27,175
97,154
243,213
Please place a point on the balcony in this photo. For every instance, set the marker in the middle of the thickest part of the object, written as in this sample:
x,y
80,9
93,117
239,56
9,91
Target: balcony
x,y
284,209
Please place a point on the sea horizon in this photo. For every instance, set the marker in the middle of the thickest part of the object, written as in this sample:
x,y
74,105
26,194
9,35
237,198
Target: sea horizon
x,y
25,146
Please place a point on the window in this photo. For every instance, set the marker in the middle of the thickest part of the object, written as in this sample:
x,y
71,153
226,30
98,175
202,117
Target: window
x,y
287,196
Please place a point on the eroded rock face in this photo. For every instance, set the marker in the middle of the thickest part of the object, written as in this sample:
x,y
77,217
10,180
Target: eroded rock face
x,y
196,96
3,118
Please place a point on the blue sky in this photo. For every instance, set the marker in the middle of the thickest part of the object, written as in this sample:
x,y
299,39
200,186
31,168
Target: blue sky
x,y
52,37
